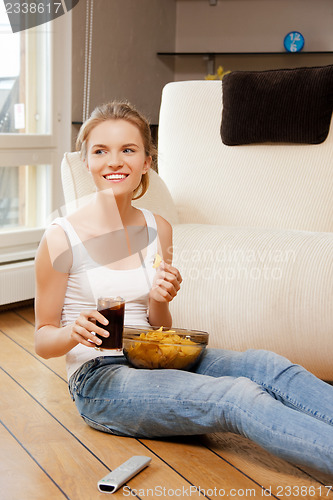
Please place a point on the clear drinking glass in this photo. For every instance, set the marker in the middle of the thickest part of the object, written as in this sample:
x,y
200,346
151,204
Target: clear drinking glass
x,y
113,309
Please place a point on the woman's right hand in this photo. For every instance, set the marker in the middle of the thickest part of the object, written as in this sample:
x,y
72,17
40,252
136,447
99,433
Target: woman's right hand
x,y
84,329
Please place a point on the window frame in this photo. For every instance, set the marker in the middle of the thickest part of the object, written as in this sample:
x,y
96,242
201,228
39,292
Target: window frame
x,y
29,149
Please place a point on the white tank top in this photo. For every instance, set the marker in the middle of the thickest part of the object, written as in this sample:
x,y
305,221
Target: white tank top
x,y
88,280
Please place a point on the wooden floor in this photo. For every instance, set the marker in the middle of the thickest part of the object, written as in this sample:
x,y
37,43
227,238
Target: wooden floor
x,y
48,452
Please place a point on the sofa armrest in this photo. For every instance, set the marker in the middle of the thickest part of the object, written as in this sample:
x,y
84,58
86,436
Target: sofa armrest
x,y
258,288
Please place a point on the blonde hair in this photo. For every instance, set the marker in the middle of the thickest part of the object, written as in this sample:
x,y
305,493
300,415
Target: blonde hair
x,y
119,110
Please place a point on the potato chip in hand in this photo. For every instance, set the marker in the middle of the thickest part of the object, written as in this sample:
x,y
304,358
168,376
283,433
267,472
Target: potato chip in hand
x,y
157,261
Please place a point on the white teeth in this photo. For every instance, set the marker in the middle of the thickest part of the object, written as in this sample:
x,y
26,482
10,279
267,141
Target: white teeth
x,y
115,176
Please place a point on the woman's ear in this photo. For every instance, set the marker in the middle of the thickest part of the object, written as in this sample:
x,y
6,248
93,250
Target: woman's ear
x,y
86,164
147,164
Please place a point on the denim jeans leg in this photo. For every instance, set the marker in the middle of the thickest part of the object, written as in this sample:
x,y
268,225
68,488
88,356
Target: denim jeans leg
x,y
144,403
285,381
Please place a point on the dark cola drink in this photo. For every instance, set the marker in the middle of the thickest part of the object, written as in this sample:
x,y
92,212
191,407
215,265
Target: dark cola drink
x,y
113,310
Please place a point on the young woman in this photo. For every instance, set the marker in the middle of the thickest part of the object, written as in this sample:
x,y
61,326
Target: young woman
x,y
107,248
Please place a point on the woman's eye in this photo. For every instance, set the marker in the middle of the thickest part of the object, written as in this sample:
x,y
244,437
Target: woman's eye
x,y
128,150
98,152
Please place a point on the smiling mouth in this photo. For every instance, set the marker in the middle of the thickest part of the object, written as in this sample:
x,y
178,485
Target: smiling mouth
x,y
115,177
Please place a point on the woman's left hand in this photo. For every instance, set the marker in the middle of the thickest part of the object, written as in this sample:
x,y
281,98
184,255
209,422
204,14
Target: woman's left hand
x,y
166,283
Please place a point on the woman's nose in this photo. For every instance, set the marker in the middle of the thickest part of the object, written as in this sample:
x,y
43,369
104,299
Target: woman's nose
x,y
115,160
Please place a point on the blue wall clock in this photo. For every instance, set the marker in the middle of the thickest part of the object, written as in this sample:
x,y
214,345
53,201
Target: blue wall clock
x,y
294,41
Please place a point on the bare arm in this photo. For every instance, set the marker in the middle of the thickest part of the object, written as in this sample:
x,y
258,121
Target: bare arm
x,y
167,280
51,339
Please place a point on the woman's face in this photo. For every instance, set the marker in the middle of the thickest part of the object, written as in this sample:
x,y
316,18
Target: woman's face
x,y
116,156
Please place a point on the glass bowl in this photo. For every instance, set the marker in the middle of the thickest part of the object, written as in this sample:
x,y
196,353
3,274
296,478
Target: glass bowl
x,y
161,347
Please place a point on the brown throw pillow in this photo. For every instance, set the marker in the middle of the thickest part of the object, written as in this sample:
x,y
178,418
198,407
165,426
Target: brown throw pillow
x,y
284,105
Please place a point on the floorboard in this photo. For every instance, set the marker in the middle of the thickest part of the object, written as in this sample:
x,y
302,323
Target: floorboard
x,y
19,472
61,457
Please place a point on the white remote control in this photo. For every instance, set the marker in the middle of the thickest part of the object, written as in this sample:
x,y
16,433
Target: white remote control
x,y
119,476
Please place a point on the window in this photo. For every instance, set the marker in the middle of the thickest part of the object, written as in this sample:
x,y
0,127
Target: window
x,y
24,196
35,127
25,96
25,79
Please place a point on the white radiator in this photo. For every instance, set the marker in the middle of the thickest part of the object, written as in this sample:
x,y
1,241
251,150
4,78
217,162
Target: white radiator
x,y
17,282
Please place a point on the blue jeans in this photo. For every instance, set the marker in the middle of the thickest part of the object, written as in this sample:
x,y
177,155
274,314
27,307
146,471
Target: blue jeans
x,y
256,393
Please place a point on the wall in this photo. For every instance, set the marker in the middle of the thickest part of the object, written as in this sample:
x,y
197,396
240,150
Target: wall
x,y
126,36
251,26
128,33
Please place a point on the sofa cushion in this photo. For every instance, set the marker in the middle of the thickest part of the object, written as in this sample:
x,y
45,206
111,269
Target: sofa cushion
x,y
289,105
264,185
258,288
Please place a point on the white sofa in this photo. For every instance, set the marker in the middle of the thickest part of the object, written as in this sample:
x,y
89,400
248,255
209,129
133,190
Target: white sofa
x,y
253,230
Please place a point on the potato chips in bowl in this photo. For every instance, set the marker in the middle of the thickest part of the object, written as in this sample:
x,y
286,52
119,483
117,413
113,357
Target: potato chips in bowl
x,y
161,347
